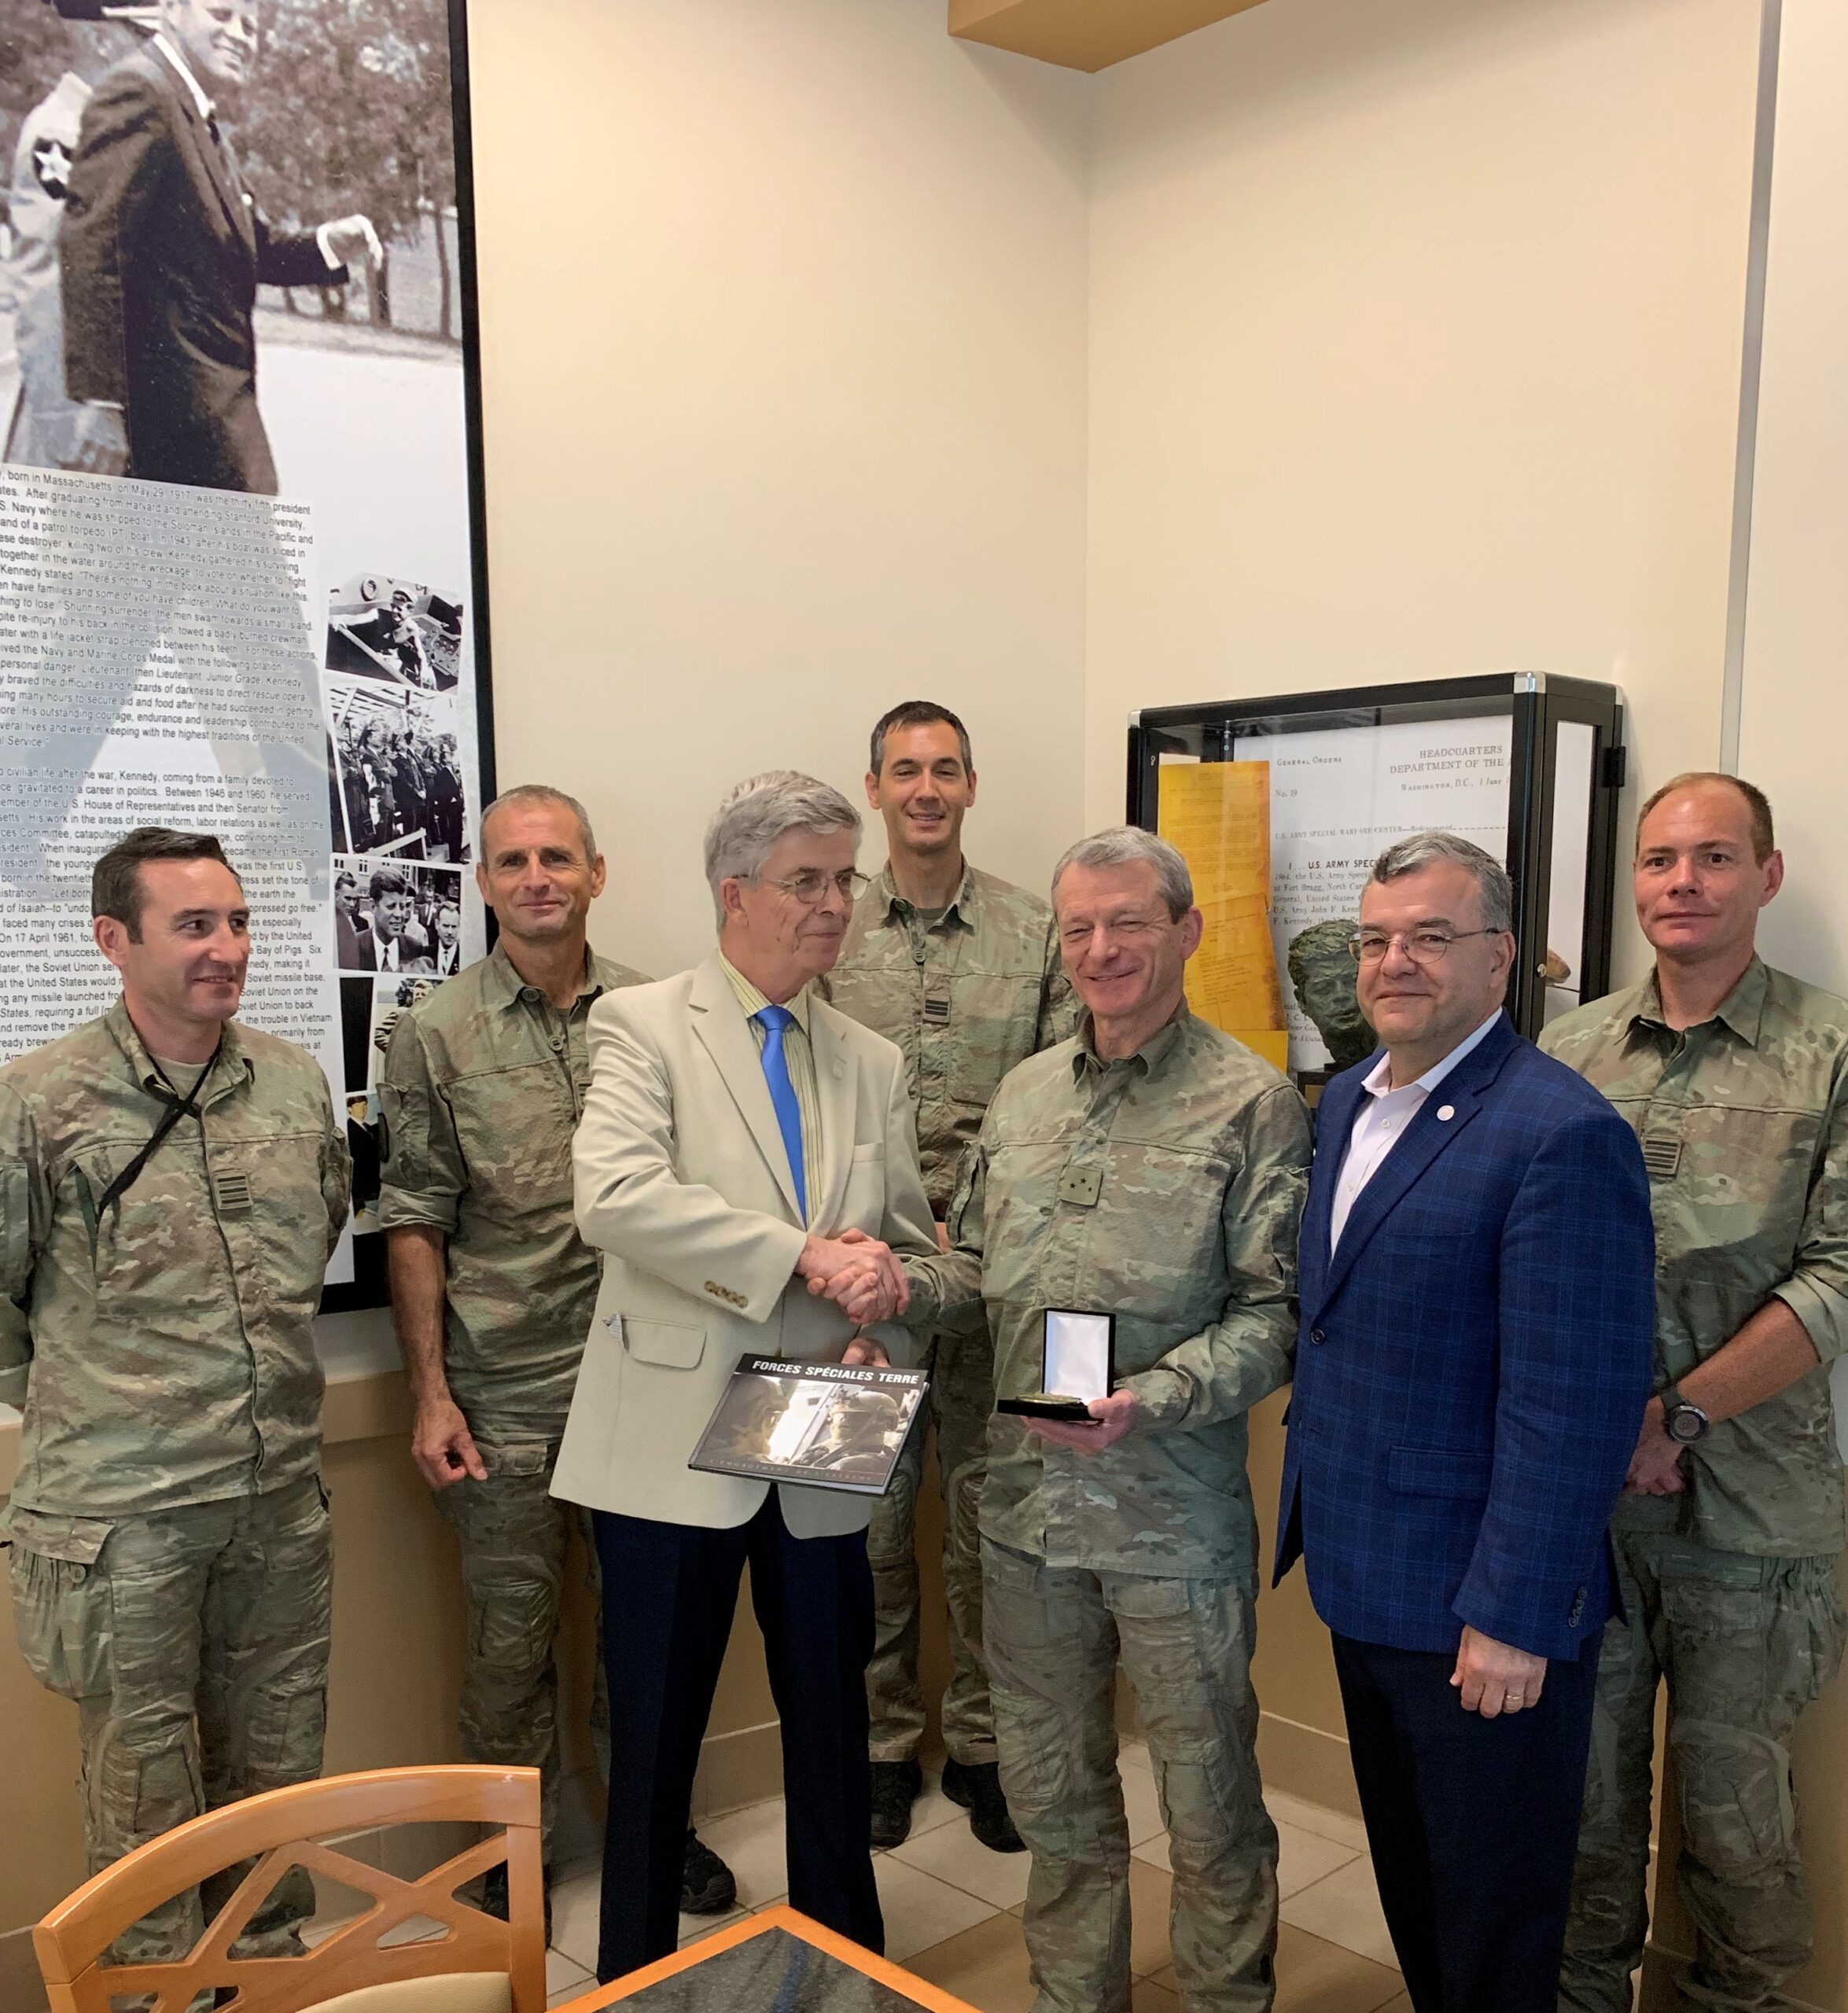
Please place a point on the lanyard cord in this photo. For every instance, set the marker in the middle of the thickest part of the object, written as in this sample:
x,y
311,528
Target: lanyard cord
x,y
177,1109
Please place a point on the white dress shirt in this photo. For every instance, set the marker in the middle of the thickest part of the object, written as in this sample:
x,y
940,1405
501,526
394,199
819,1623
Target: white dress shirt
x,y
1381,1119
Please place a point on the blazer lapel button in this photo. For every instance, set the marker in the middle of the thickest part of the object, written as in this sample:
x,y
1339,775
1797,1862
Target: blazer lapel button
x,y
1445,1112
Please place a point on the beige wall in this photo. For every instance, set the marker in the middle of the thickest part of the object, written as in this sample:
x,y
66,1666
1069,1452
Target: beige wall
x,y
784,350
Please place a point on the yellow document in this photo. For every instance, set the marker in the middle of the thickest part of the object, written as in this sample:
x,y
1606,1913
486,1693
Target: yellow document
x,y
1218,816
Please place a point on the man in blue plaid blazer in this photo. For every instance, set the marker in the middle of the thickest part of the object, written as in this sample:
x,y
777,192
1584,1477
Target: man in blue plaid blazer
x,y
1478,1308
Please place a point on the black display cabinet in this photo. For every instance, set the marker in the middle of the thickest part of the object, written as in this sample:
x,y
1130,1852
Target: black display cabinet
x,y
1524,762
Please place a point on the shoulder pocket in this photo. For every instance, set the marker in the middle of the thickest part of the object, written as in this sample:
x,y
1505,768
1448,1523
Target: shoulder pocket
x,y
673,1344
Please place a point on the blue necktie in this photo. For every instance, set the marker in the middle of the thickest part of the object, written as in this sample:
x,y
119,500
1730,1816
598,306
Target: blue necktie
x,y
776,1022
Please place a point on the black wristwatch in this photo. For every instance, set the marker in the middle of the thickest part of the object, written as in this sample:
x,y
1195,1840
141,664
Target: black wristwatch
x,y
1681,1420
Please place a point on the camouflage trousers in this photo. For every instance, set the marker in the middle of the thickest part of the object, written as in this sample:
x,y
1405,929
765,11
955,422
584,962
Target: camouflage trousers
x,y
1055,1636
516,1542
1744,1643
961,1396
194,1642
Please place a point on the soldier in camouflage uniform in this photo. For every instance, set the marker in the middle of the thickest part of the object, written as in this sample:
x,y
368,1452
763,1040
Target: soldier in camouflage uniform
x,y
492,1289
1152,1168
172,1185
1736,1078
962,971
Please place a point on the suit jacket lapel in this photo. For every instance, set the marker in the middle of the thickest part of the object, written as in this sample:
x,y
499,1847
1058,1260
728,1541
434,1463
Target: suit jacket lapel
x,y
1334,1120
719,1023
214,166
1424,1139
834,1078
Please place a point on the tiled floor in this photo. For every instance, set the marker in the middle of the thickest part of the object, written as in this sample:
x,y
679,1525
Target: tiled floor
x,y
951,1906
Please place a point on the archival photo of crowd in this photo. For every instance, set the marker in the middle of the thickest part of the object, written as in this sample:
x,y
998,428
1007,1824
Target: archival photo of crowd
x,y
395,771
394,914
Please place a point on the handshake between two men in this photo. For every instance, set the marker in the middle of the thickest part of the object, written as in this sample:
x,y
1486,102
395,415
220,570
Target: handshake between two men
x,y
864,1278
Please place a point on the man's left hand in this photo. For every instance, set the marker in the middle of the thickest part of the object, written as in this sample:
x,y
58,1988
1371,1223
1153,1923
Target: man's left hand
x,y
1114,1416
351,239
1656,1468
866,1349
1495,1677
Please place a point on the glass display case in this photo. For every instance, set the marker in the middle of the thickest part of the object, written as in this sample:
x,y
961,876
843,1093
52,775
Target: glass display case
x,y
1282,805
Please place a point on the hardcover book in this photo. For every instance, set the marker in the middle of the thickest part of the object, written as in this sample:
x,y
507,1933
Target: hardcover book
x,y
823,1425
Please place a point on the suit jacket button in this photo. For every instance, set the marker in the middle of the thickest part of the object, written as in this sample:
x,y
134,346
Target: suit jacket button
x,y
1317,1335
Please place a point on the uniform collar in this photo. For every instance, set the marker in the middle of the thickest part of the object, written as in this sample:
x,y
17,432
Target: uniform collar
x,y
1153,1052
1742,1009
962,910
179,63
234,1065
502,986
754,1002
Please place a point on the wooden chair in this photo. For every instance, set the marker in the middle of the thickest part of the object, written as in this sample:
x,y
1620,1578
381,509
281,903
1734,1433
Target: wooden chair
x,y
486,1965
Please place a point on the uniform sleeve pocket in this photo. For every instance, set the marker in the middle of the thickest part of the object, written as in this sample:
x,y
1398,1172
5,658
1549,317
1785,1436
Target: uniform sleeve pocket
x,y
1438,1471
673,1344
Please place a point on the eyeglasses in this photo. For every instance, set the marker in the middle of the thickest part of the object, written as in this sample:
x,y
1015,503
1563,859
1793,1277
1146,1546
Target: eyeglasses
x,y
1423,947
811,887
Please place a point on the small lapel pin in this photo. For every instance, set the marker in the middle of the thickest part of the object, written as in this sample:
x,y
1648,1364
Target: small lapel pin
x,y
1445,1112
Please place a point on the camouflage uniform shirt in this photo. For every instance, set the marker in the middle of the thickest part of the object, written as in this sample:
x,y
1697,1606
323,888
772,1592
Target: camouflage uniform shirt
x,y
1165,1188
965,997
171,1336
483,1087
1744,1125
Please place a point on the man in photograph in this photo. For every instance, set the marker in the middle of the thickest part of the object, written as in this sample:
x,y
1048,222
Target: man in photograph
x,y
445,952
746,1165
492,1288
399,944
1477,1293
962,970
1155,1169
352,935
1735,1077
175,1184
446,799
161,253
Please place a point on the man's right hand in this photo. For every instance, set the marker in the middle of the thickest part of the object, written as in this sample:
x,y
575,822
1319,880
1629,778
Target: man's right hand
x,y
101,435
443,1447
860,1275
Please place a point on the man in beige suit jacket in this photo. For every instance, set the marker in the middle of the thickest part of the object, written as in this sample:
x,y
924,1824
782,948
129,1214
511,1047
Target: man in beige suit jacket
x,y
746,1162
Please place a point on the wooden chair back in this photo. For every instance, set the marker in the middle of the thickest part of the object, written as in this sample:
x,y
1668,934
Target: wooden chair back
x,y
281,1830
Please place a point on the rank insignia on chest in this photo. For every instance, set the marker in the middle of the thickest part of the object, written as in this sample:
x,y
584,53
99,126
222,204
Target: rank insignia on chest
x,y
937,1009
1662,1157
1081,1185
231,1192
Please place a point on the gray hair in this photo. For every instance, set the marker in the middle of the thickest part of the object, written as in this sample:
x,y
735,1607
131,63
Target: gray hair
x,y
754,814
542,793
1129,846
1495,889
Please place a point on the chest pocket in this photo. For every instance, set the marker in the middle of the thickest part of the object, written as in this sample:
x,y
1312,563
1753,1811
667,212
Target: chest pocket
x,y
513,1127
993,1018
1157,1246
